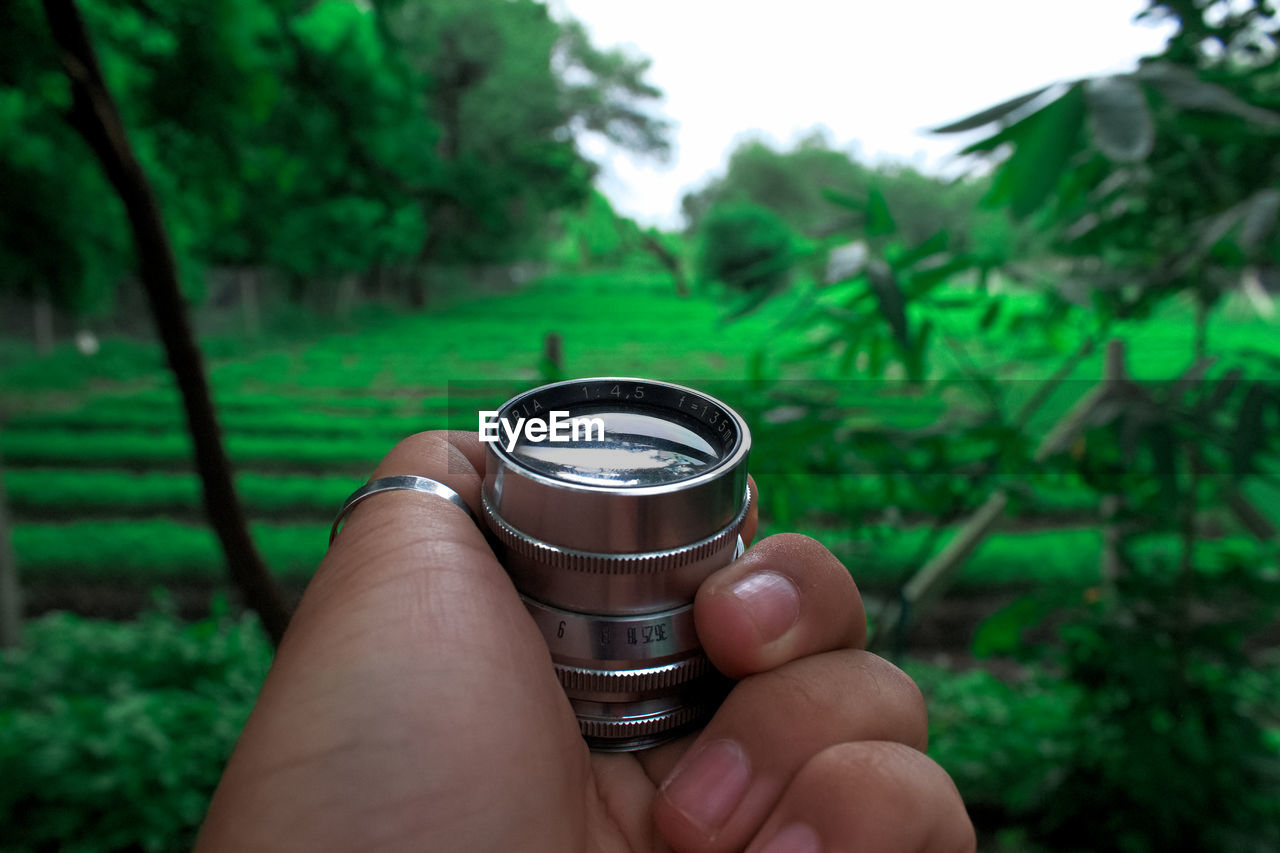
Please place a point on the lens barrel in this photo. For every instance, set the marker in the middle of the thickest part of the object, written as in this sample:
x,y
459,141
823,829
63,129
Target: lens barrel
x,y
611,500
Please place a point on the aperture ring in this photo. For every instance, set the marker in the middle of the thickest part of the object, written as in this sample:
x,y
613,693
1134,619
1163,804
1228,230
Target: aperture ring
x,y
650,562
622,728
627,682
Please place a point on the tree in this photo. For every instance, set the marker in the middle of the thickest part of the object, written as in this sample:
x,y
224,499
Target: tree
x,y
1155,184
1161,181
811,186
509,88
311,143
604,92
792,184
94,116
747,247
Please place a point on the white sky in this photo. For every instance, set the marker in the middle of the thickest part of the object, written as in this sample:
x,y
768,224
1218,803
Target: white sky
x,y
875,73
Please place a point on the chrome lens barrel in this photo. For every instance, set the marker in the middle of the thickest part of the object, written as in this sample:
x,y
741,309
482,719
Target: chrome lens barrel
x,y
609,532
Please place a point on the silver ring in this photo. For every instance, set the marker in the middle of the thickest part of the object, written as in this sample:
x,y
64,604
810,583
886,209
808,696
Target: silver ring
x,y
400,481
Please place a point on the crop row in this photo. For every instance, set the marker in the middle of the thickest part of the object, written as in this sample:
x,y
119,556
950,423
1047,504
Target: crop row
x,y
77,450
144,551
156,411
285,421
151,550
68,492
48,493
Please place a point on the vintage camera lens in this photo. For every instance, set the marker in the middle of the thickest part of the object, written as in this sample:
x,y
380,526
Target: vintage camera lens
x,y
608,535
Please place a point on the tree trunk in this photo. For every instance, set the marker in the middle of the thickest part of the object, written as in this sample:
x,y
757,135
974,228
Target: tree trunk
x,y
94,116
653,246
10,590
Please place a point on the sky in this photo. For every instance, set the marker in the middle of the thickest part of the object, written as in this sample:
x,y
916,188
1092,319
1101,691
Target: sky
x,y
875,74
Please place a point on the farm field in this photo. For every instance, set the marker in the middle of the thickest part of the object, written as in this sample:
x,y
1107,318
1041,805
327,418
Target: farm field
x,y
98,471
108,519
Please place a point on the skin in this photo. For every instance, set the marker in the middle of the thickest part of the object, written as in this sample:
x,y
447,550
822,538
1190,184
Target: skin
x,y
412,706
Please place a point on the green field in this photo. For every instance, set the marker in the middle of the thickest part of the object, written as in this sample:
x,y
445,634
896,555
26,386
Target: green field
x,y
106,506
98,460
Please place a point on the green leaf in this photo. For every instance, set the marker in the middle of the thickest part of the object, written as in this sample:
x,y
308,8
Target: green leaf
x,y
879,220
889,296
991,143
1259,221
1001,633
925,280
1044,142
1185,89
1163,446
990,316
842,200
926,249
1119,118
990,114
1250,430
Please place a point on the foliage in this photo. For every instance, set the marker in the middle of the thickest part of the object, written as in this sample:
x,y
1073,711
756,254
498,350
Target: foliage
x,y
1145,187
58,493
800,186
1158,181
139,552
1169,727
309,142
113,736
162,450
747,247
1003,741
791,184
597,237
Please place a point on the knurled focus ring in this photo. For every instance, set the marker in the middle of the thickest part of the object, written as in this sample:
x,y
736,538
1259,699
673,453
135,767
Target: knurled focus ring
x,y
650,562
656,724
632,681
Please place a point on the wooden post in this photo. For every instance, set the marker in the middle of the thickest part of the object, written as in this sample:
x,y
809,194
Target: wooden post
x,y
1112,563
553,355
932,580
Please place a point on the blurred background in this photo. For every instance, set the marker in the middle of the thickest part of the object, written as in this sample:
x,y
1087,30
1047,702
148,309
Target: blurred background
x,y
994,284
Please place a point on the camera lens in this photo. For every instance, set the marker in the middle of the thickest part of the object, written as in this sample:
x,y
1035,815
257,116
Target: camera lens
x,y
611,500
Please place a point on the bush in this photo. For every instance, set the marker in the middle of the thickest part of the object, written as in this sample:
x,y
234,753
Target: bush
x,y
747,247
1003,743
113,736
1174,751
141,552
1168,722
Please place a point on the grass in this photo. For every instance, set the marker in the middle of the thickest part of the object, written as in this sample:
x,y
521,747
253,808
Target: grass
x,y
101,441
60,493
140,552
173,450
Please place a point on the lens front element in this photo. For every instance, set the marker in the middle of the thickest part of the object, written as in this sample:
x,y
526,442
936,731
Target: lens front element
x,y
612,499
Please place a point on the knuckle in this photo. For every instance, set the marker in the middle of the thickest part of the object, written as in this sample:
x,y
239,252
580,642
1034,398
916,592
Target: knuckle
x,y
431,442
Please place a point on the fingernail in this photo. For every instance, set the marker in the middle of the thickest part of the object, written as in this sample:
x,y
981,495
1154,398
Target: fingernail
x,y
796,838
772,601
709,786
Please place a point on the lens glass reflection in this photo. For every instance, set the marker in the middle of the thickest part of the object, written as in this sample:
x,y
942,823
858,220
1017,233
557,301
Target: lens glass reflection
x,y
637,450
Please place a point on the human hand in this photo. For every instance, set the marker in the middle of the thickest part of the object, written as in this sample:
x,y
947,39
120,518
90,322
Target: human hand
x,y
413,706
